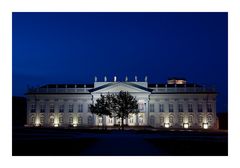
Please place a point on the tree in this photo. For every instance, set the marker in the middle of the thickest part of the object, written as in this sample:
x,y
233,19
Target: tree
x,y
116,105
102,107
123,105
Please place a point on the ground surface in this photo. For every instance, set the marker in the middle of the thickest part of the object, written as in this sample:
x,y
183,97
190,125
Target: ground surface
x,y
82,142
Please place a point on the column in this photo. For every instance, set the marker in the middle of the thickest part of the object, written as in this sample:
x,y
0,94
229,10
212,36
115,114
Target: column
x,y
136,119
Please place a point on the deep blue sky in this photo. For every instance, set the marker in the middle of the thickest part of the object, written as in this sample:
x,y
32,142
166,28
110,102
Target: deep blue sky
x,y
75,47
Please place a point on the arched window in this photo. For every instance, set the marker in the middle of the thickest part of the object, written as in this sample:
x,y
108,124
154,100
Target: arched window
x,y
32,119
190,119
209,118
180,119
170,119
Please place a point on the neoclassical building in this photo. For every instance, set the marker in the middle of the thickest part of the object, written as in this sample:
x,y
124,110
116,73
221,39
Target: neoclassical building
x,y
174,104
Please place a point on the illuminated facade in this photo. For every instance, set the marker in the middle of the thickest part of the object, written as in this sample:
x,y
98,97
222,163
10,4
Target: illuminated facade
x,y
176,104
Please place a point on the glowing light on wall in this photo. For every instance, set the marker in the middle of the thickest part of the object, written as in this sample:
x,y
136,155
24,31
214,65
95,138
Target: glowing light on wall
x,y
37,122
185,125
75,121
205,125
166,125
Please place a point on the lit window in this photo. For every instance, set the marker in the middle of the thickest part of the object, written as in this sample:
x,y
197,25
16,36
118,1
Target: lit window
x,y
209,107
151,107
180,108
171,108
33,108
190,108
61,108
80,108
51,108
70,109
161,108
200,108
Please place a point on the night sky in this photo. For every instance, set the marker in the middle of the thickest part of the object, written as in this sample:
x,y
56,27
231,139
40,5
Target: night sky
x,y
75,47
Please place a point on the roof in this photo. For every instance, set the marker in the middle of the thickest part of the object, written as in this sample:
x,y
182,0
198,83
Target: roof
x,y
173,85
128,83
67,86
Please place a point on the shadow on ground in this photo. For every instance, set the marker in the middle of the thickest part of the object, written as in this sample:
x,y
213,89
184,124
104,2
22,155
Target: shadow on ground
x,y
78,142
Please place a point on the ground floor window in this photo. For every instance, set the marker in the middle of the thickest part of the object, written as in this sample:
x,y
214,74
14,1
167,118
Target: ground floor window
x,y
80,120
70,120
152,120
42,120
89,120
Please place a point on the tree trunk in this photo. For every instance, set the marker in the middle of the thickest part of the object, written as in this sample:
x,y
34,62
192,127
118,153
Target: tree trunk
x,y
122,124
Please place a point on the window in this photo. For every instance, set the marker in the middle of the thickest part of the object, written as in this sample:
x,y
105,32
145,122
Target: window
x,y
60,120
151,107
131,120
42,108
152,120
170,119
200,108
109,120
61,108
209,118
141,106
209,107
89,105
32,120
161,120
161,108
180,108
51,108
190,108
42,120
33,108
180,119
170,107
70,120
89,120
190,119
70,108
51,120
80,108
200,119
80,120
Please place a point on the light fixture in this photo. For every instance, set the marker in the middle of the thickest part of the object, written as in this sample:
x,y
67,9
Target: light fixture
x,y
185,125
55,125
166,125
205,125
74,125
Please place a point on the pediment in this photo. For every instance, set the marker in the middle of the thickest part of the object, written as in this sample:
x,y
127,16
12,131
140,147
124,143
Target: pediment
x,y
119,86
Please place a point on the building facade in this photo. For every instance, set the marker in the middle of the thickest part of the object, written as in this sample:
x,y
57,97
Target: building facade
x,y
175,104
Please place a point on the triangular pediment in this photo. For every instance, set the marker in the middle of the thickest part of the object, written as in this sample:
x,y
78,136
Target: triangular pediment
x,y
119,86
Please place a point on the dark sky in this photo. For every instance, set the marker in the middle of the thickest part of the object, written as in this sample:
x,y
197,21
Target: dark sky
x,y
75,47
